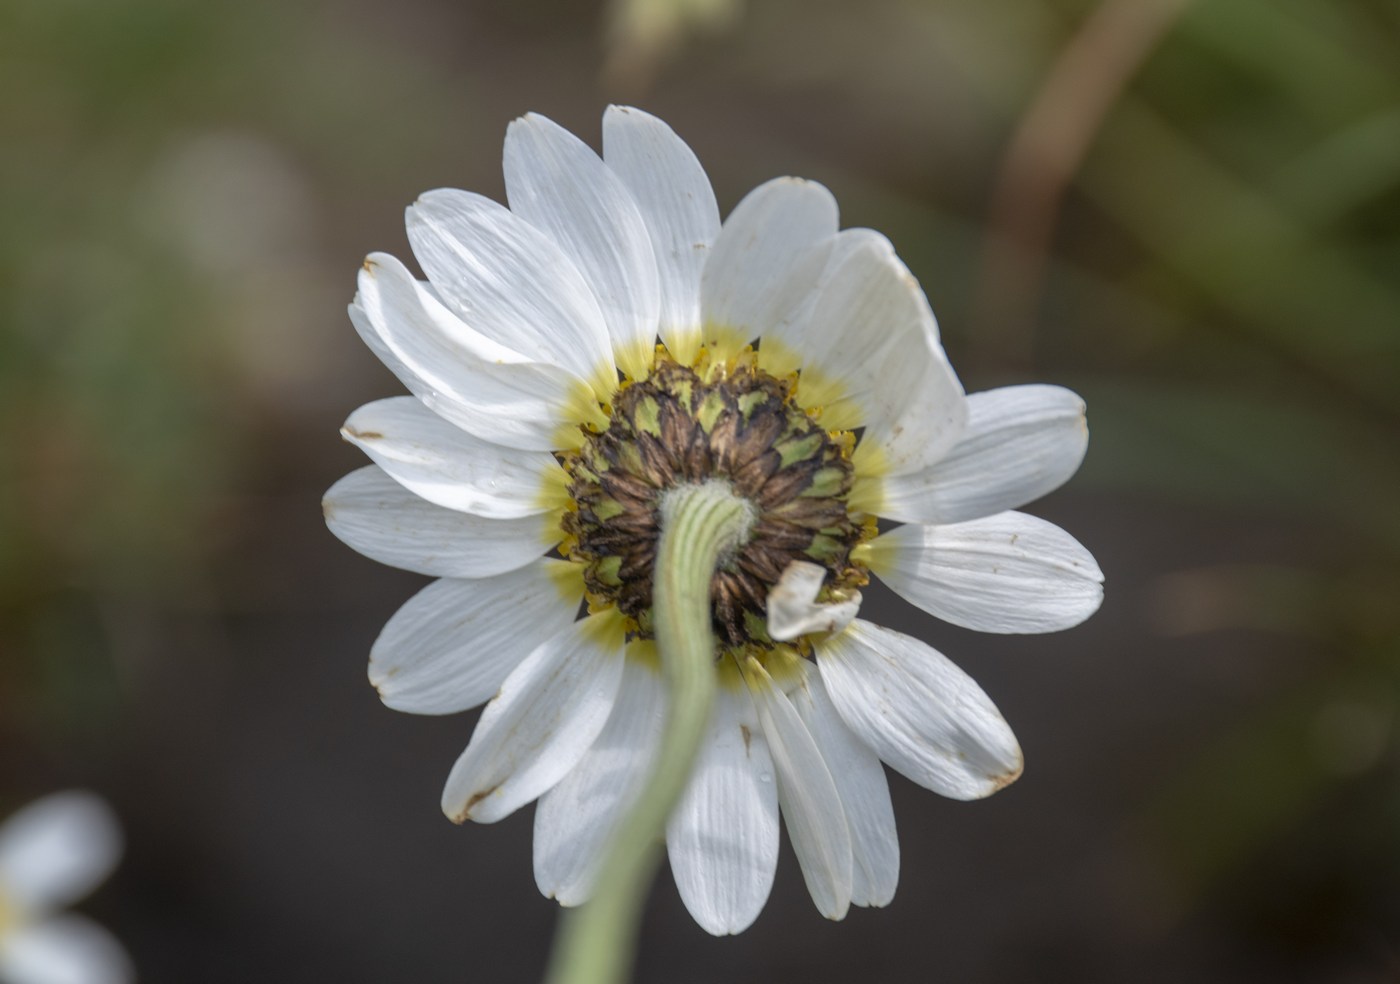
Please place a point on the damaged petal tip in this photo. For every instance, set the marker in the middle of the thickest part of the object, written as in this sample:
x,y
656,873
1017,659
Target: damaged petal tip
x,y
352,435
380,689
465,813
1007,778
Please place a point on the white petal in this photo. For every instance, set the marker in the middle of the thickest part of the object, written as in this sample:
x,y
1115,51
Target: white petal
x,y
865,794
377,516
512,283
576,820
811,805
1020,443
722,838
919,409
535,397
449,467
867,346
452,645
559,185
678,204
814,339
862,306
483,387
64,950
56,850
549,710
792,604
921,714
929,420
1005,573
767,260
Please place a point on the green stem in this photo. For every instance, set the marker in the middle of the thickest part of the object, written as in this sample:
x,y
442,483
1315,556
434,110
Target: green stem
x,y
700,524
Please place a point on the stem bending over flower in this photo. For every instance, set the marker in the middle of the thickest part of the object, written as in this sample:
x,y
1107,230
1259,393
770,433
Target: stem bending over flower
x,y
700,525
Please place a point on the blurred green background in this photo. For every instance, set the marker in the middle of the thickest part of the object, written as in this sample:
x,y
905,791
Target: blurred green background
x,y
1189,212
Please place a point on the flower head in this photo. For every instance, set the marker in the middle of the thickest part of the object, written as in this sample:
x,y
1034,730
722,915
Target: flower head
x,y
606,339
52,853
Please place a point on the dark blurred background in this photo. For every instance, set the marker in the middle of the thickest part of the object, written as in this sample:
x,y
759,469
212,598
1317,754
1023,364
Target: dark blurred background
x,y
1189,212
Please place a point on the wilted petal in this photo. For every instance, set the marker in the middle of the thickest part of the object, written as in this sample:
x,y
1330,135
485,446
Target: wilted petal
x,y
792,604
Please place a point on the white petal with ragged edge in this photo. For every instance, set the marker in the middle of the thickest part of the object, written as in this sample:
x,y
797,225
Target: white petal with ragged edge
x,y
676,200
577,819
56,850
768,257
65,949
792,608
1020,443
918,411
477,384
559,185
452,645
921,714
811,805
722,838
792,343
863,305
865,793
511,282
549,711
1004,573
449,467
372,513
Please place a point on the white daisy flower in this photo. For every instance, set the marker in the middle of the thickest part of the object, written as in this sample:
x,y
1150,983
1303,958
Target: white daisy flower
x,y
798,364
53,852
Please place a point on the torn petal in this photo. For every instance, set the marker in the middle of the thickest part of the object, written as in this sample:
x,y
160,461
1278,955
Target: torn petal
x,y
793,609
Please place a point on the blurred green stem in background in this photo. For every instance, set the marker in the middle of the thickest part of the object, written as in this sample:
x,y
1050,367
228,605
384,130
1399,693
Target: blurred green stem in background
x,y
1083,85
1250,256
700,524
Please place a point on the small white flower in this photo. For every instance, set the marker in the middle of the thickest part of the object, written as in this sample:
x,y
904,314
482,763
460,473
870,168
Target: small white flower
x,y
54,852
800,364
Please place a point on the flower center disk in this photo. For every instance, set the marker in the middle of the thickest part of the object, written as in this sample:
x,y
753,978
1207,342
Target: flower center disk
x,y
680,426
